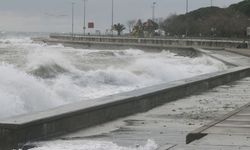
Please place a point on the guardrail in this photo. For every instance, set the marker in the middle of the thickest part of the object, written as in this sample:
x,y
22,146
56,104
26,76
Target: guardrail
x,y
149,41
155,37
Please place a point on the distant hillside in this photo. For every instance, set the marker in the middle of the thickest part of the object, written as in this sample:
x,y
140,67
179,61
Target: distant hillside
x,y
243,7
210,21
204,12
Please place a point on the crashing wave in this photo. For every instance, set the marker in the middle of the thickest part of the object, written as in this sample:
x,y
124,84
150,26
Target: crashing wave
x,y
37,77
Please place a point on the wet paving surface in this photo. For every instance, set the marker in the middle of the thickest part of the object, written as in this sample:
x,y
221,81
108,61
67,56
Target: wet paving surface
x,y
170,123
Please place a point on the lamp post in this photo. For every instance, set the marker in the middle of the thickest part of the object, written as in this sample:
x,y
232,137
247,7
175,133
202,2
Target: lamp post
x,y
112,15
153,11
248,33
187,3
84,18
73,19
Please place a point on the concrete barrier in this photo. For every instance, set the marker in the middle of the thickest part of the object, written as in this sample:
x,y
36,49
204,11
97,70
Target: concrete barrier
x,y
90,40
179,50
58,121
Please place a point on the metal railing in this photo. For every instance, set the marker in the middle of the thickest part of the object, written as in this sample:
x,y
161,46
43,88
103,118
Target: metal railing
x,y
155,37
149,41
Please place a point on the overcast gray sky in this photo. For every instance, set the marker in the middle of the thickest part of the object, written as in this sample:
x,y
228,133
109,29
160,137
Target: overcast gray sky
x,y
55,15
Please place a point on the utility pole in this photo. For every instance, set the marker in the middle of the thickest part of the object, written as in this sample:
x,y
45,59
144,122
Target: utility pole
x,y
84,18
211,3
248,34
73,19
187,3
112,23
153,11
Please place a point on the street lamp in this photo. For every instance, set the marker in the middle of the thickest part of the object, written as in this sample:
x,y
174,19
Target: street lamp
x,y
112,21
187,3
153,11
84,18
73,19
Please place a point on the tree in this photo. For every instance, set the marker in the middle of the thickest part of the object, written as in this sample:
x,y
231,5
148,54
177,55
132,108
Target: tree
x,y
138,29
119,28
171,25
209,21
131,24
243,7
150,26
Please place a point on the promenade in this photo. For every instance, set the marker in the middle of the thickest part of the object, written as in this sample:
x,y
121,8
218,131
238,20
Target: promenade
x,y
169,124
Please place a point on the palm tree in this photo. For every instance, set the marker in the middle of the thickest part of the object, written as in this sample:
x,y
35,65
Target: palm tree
x,y
119,28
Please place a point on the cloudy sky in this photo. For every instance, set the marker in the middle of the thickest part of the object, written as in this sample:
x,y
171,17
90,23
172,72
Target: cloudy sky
x,y
55,15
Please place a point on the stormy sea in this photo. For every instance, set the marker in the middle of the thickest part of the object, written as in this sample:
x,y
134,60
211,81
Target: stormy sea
x,y
36,76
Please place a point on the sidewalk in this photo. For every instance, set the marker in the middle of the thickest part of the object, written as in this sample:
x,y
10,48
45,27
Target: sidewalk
x,y
245,52
169,124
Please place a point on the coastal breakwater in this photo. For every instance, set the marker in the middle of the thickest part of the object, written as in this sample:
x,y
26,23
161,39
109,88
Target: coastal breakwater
x,y
90,41
73,117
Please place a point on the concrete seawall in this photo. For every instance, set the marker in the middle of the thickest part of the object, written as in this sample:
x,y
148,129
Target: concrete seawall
x,y
144,42
65,119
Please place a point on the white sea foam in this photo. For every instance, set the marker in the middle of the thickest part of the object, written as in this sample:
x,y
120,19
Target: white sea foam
x,y
91,145
14,41
22,93
36,76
